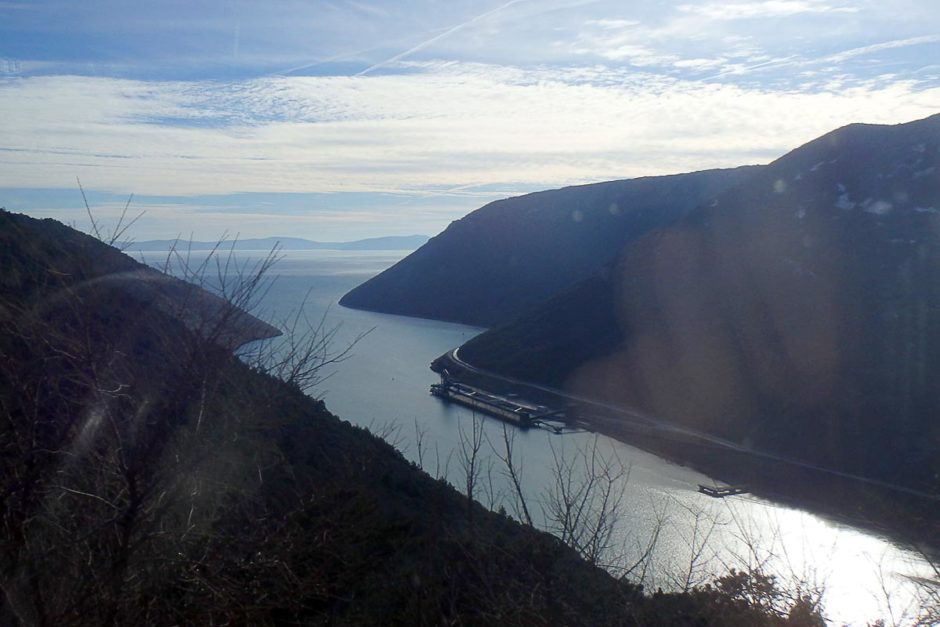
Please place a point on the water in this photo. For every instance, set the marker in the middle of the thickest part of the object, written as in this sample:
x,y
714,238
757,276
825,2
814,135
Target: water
x,y
383,385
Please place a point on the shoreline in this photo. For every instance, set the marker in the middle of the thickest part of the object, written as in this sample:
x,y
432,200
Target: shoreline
x,y
854,502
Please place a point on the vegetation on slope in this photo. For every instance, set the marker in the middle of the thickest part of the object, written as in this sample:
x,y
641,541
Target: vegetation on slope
x,y
504,258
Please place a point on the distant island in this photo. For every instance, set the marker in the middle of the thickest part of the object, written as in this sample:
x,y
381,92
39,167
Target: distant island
x,y
393,242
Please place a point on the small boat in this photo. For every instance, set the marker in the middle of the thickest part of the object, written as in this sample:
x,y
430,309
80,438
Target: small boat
x,y
720,492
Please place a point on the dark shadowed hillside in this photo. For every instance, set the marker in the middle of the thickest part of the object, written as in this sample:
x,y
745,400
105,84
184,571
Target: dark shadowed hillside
x,y
797,313
504,258
46,260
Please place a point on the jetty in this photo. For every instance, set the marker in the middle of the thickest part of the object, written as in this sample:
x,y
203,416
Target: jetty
x,y
509,408
720,492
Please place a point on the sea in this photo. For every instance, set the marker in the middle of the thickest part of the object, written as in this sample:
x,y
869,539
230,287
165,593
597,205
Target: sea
x,y
663,532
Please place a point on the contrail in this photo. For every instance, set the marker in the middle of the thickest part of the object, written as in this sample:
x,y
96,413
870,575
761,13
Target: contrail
x,y
335,57
772,63
339,56
885,45
436,38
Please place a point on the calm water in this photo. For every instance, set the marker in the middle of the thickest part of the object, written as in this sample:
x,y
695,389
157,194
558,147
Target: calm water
x,y
384,385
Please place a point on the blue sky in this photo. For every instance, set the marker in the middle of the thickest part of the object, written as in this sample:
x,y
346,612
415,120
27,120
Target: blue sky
x,y
346,119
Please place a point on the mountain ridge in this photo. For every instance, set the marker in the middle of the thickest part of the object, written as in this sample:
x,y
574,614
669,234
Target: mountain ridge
x,y
489,266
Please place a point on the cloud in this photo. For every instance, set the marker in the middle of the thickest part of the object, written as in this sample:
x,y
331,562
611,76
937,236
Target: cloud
x,y
830,59
621,40
762,9
455,105
700,64
613,24
442,126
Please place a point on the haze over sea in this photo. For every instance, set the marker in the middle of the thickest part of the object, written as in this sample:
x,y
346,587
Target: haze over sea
x,y
384,384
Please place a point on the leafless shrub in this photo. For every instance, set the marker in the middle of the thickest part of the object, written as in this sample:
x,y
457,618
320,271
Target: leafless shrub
x,y
641,567
115,236
763,574
585,501
896,611
388,430
585,507
513,471
241,284
303,355
420,435
697,537
928,592
469,457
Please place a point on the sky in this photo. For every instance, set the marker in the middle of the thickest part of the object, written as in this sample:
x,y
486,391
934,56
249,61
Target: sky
x,y
338,120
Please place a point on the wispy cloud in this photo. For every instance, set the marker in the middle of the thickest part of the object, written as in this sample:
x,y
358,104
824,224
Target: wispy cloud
x,y
439,127
621,40
700,64
830,59
763,9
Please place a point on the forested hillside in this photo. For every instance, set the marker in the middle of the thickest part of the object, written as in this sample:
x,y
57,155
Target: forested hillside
x,y
502,259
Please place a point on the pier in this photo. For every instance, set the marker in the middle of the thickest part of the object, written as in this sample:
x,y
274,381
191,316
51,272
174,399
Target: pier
x,y
722,491
513,410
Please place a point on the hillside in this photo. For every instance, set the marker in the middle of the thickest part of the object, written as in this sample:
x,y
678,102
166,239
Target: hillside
x,y
504,258
797,313
39,258
149,477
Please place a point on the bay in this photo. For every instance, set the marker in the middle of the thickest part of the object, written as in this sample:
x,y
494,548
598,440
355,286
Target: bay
x,y
383,385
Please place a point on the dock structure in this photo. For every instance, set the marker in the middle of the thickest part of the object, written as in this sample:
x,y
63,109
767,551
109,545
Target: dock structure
x,y
720,492
511,410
